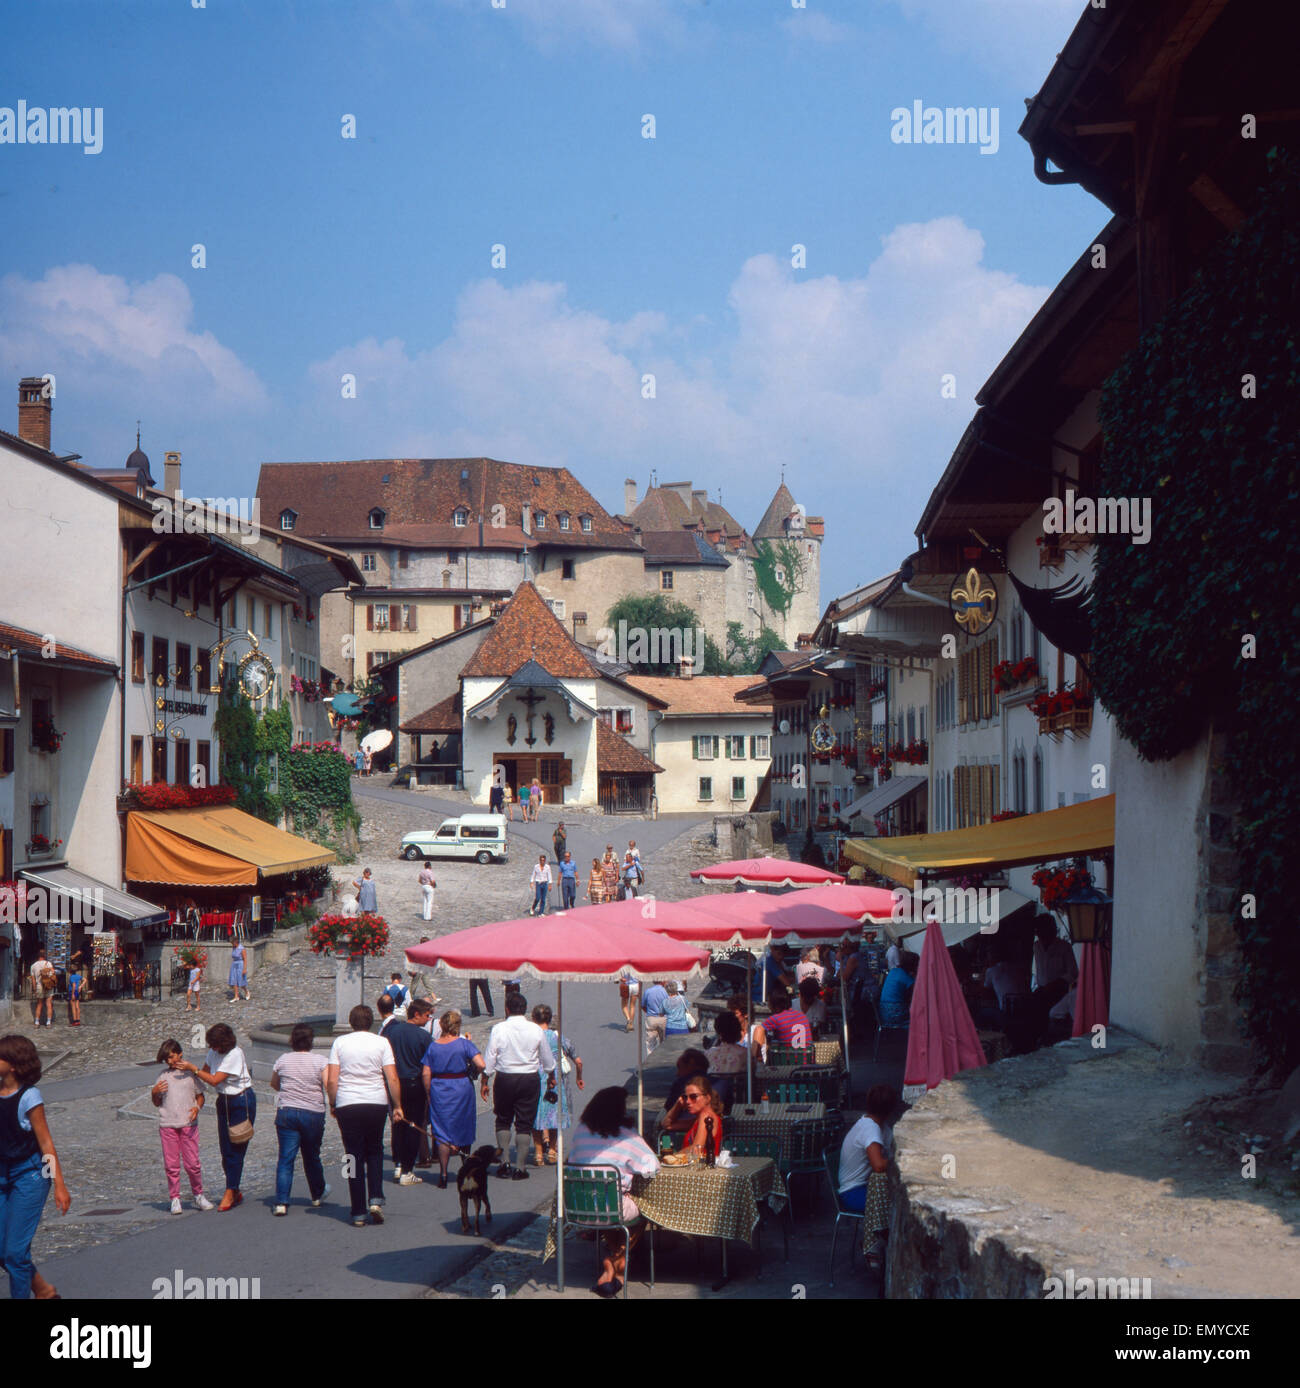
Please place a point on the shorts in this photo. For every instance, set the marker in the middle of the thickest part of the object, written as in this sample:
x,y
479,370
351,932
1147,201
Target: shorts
x,y
40,994
74,987
624,992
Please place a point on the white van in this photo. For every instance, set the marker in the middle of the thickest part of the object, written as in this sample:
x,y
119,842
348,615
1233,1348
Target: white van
x,y
478,836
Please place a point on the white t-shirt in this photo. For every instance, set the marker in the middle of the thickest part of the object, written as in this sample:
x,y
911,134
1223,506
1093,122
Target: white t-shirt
x,y
854,1164
361,1057
233,1065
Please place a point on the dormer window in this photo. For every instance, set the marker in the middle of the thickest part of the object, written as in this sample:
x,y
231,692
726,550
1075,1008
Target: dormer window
x,y
564,520
459,517
585,522
377,519
288,519
540,518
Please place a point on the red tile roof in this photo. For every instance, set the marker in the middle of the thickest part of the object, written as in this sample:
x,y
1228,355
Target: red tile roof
x,y
528,630
334,499
443,717
33,646
701,694
615,753
674,505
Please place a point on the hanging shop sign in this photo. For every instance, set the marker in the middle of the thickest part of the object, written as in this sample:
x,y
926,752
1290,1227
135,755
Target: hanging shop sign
x,y
973,602
254,671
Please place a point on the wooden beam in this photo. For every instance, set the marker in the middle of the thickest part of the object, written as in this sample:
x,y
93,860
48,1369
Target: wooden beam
x,y
1215,201
1173,42
140,558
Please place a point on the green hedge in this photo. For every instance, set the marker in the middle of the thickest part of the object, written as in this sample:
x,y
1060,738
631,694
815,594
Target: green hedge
x,y
1174,619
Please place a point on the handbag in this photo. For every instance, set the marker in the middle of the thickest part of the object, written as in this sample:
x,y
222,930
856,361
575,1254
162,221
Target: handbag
x,y
692,1020
239,1133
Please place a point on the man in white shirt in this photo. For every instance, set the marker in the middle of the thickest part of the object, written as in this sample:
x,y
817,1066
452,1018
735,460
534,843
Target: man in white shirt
x,y
516,1052
541,880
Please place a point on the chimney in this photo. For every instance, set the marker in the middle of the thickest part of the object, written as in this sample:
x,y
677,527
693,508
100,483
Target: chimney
x,y
35,405
686,667
171,473
629,495
526,518
700,499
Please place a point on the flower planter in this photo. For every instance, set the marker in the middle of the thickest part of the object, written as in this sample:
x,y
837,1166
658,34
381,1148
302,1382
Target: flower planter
x,y
1077,722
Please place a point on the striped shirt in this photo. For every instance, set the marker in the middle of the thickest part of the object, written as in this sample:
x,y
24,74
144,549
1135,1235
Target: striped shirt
x,y
628,1152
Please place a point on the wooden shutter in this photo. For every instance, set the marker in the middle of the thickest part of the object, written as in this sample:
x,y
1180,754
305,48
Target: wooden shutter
x,y
414,619
715,748
695,749
370,616
395,616
566,772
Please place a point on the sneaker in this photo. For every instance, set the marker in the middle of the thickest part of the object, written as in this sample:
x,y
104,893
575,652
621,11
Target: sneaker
x,y
280,1210
358,1223
201,1202
324,1195
176,1205
376,1214
408,1178
397,1175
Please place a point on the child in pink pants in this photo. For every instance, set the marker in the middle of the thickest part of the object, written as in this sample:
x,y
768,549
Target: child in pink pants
x,y
178,1097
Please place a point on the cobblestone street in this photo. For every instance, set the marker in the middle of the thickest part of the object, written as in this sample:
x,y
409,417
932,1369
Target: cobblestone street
x,y
107,1140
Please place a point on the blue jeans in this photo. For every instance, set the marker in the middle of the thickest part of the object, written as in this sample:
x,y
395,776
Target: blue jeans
x,y
299,1129
568,892
23,1191
539,899
234,1108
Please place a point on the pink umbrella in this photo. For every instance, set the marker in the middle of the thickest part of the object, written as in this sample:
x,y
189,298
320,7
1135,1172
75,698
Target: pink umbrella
x,y
766,872
849,899
568,950
941,1039
1092,998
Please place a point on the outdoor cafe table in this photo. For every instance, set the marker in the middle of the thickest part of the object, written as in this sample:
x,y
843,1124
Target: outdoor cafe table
x,y
711,1202
750,1122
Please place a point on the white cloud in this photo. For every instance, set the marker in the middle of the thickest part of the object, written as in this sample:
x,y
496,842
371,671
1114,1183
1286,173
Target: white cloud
x,y
117,336
837,379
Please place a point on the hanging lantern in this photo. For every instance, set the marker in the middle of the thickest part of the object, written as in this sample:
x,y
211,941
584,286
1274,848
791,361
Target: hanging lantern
x,y
1087,915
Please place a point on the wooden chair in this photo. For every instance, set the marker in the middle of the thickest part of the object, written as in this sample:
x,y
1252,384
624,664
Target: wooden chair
x,y
593,1200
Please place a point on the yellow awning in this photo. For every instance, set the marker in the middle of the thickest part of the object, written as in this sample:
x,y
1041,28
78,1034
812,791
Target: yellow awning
x,y
215,847
1075,831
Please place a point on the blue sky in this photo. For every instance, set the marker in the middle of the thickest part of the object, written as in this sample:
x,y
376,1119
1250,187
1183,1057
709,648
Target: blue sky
x,y
625,256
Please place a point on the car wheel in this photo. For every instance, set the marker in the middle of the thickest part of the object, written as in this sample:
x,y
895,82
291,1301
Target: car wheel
x,y
411,853
483,856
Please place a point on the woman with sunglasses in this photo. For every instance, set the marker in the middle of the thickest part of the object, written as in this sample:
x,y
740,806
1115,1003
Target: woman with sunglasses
x,y
699,1103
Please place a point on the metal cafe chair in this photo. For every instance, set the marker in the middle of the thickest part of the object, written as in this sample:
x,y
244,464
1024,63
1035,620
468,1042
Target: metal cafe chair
x,y
593,1200
808,1142
790,1055
769,1147
798,1092
882,1028
831,1157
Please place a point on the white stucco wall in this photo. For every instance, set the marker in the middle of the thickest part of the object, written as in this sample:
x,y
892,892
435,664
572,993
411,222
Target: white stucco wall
x,y
678,786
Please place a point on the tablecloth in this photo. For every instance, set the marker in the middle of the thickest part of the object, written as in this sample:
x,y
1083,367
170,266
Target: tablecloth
x,y
777,1123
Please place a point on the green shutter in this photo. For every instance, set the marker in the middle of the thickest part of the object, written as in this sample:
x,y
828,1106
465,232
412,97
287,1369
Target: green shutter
x,y
695,749
715,749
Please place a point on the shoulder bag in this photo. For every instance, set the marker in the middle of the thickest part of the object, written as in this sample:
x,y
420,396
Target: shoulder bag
x,y
240,1133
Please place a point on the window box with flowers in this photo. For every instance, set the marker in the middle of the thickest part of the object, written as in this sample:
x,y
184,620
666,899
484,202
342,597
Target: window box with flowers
x,y
45,736
1010,675
39,845
1062,711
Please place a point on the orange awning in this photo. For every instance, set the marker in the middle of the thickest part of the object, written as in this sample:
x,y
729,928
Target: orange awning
x,y
218,846
1087,829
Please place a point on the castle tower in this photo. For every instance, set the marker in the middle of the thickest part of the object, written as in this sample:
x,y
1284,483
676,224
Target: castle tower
x,y
785,535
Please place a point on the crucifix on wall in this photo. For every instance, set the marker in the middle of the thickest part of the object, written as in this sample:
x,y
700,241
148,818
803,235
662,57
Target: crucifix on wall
x,y
532,699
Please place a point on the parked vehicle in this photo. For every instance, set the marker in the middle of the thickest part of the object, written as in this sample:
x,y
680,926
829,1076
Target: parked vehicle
x,y
478,836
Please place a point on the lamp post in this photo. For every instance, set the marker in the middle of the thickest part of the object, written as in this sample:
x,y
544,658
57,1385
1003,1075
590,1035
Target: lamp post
x,y
1087,915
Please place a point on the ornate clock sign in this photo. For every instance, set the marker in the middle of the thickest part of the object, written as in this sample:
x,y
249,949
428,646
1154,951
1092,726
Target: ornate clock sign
x,y
823,735
255,671
973,602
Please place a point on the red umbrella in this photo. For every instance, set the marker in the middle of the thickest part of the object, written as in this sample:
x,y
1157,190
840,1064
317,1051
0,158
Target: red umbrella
x,y
594,949
766,872
941,1037
850,899
1092,997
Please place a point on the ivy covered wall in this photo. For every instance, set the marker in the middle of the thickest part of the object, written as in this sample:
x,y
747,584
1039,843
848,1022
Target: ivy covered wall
x,y
1200,628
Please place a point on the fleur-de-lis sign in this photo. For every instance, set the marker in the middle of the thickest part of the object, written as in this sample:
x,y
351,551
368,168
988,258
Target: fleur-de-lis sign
x,y
973,601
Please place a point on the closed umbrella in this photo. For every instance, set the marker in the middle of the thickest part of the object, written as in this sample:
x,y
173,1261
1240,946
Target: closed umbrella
x,y
1092,995
941,1035
566,950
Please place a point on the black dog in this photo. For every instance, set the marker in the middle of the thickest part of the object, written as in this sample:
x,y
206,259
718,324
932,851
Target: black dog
x,y
472,1184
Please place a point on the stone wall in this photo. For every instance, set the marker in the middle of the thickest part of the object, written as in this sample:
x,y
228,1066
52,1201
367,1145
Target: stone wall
x,y
1223,1046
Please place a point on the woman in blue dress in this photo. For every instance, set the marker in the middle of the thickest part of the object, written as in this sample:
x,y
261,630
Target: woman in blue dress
x,y
450,1066
238,975
559,1113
